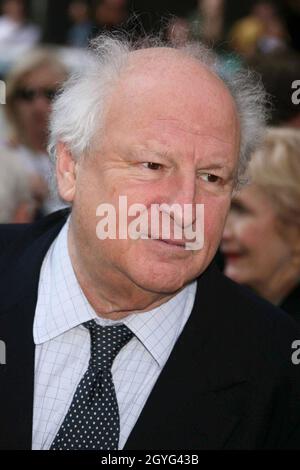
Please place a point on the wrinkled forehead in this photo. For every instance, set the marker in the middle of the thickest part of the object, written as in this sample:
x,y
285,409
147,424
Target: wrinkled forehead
x,y
169,66
164,82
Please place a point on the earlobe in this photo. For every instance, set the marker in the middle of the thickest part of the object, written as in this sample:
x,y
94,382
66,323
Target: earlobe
x,y
65,173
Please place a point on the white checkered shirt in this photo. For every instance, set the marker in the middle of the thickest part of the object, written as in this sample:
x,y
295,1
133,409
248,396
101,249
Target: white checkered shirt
x,y
63,346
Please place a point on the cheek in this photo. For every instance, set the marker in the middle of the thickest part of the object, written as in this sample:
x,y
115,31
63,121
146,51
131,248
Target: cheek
x,y
277,246
23,112
253,234
142,193
93,188
247,233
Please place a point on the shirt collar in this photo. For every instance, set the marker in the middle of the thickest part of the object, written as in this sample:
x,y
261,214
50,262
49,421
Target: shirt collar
x,y
62,306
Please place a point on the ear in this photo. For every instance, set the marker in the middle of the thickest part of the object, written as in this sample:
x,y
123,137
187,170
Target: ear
x,y
65,173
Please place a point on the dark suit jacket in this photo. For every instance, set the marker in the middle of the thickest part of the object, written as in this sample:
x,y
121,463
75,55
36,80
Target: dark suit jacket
x,y
291,304
228,383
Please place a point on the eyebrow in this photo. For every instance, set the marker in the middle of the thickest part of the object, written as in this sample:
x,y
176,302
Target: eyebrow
x,y
163,152
215,166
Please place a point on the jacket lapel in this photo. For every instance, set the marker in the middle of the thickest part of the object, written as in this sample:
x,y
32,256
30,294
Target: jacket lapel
x,y
191,404
20,271
17,377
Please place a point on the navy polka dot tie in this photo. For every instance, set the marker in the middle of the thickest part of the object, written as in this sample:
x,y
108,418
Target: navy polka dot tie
x,y
93,422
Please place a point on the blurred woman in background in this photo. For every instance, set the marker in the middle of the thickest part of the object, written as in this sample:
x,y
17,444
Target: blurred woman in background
x,y
31,87
261,241
17,198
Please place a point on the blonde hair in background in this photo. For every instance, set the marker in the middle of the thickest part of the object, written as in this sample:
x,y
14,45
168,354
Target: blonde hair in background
x,y
34,60
275,169
15,187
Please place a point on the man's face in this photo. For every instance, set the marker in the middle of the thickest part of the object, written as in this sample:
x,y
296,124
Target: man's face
x,y
171,136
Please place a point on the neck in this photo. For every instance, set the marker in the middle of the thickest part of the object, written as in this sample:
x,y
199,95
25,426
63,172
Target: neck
x,y
279,287
100,286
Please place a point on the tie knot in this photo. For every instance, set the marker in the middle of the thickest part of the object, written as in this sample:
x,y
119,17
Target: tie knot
x,y
106,343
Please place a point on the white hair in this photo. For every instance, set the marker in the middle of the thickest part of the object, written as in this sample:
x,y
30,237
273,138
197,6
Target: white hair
x,y
79,109
14,186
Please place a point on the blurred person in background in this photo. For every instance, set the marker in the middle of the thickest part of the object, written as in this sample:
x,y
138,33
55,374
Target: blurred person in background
x,y
81,29
207,21
275,36
261,31
279,71
261,241
291,11
110,14
31,87
16,198
14,25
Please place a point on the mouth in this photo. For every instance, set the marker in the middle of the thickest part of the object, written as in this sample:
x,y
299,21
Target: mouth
x,y
232,256
170,244
178,243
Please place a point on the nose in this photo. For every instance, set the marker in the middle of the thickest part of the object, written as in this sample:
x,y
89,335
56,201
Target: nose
x,y
186,184
181,200
42,105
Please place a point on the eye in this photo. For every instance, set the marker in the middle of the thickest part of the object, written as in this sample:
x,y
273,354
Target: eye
x,y
210,178
152,165
238,208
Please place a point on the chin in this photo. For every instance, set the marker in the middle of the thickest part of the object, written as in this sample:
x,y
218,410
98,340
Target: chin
x,y
229,272
164,288
160,281
235,275
163,278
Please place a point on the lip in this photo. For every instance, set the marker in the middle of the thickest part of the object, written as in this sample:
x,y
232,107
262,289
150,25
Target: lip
x,y
178,243
166,241
231,256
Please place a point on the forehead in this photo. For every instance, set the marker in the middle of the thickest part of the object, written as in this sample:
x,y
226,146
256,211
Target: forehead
x,y
43,74
164,85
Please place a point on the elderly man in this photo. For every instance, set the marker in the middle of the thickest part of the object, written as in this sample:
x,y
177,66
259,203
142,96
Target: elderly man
x,y
136,342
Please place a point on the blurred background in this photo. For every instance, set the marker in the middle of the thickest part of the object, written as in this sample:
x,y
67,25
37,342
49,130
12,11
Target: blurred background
x,y
42,41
